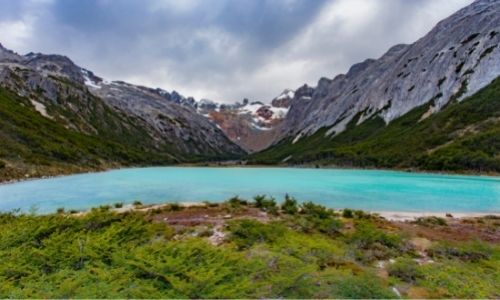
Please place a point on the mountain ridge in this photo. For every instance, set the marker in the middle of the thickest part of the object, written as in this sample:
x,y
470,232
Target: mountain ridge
x,y
456,59
459,55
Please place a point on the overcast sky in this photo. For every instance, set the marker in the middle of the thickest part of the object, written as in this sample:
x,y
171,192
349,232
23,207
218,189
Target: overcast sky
x,y
224,50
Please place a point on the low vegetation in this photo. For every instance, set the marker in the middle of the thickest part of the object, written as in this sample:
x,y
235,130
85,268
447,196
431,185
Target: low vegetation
x,y
464,136
286,250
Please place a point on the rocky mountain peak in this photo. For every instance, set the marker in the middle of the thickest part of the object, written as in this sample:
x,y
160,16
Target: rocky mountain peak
x,y
455,59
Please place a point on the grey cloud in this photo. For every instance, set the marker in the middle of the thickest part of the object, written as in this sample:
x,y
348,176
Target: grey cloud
x,y
221,49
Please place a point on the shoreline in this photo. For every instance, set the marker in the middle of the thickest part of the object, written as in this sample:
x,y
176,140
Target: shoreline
x,y
410,216
251,166
394,216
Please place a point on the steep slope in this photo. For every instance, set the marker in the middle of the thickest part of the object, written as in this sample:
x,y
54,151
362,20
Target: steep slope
x,y
190,132
251,125
457,58
33,145
462,136
453,61
124,118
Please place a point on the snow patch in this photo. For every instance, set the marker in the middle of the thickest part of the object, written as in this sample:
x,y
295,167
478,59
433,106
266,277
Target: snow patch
x,y
297,138
89,82
260,127
279,112
39,107
286,94
250,108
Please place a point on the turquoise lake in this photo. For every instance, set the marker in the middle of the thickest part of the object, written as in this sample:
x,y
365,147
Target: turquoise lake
x,y
337,188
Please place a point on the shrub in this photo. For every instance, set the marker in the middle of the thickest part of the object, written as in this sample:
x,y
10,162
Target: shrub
x,y
359,287
431,221
60,210
289,206
259,200
246,233
347,213
137,203
118,205
175,207
104,207
370,243
361,214
315,210
266,204
470,252
235,203
330,226
210,204
405,269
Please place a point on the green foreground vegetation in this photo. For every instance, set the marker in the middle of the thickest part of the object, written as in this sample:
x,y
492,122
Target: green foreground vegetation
x,y
299,251
464,136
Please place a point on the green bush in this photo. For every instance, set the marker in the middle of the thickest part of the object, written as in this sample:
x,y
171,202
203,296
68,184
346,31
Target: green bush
x,y
266,204
175,206
361,214
366,286
315,210
461,280
118,205
330,226
370,243
469,252
246,233
347,213
405,269
431,221
289,206
235,203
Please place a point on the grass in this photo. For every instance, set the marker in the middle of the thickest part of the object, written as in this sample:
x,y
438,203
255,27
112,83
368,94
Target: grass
x,y
464,136
103,254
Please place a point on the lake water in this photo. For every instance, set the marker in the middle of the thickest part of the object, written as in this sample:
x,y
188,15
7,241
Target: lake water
x,y
337,188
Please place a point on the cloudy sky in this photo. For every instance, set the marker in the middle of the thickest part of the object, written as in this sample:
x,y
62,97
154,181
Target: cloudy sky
x,y
223,50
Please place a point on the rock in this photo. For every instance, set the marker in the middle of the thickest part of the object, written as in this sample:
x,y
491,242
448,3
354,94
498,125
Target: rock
x,y
94,106
454,60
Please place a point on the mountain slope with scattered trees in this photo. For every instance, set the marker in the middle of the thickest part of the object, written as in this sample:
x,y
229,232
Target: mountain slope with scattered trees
x,y
463,136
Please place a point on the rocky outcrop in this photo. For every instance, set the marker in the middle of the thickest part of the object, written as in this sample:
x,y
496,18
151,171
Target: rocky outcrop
x,y
192,132
251,125
81,101
457,58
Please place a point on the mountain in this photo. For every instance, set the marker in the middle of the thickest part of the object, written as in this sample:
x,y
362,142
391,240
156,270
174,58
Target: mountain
x,y
452,62
251,125
408,109
57,116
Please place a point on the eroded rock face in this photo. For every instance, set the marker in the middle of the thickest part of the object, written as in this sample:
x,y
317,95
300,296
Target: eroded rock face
x,y
251,125
457,58
86,103
192,132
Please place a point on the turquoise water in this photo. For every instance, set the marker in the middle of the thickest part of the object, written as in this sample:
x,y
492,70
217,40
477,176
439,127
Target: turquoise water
x,y
337,188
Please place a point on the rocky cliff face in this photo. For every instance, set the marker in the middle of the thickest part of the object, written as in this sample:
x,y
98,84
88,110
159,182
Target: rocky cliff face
x,y
192,132
457,58
75,97
251,125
